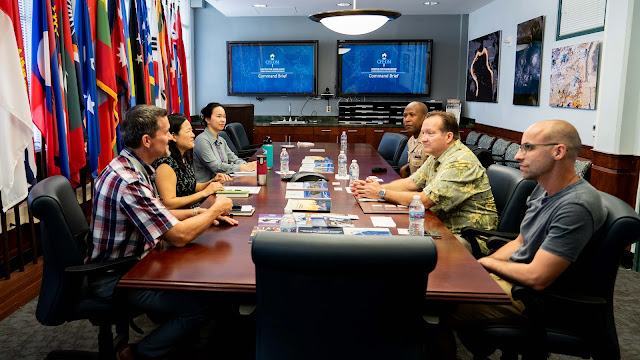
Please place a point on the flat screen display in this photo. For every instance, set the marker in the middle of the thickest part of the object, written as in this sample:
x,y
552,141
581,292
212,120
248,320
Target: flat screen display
x,y
401,67
272,68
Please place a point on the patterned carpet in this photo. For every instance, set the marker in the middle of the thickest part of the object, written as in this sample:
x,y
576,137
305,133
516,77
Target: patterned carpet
x,y
23,338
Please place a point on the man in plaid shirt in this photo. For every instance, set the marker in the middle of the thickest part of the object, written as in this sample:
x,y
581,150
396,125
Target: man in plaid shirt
x,y
129,219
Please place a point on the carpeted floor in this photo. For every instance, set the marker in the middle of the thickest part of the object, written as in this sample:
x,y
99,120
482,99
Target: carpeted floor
x,y
23,338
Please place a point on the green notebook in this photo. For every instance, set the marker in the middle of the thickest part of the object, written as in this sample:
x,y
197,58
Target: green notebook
x,y
234,193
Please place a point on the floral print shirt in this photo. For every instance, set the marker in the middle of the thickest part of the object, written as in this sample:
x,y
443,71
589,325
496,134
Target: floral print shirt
x,y
458,185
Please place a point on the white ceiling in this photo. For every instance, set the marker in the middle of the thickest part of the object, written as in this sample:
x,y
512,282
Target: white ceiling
x,y
308,7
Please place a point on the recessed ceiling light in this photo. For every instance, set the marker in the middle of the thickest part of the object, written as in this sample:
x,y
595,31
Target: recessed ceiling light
x,y
431,3
343,4
260,5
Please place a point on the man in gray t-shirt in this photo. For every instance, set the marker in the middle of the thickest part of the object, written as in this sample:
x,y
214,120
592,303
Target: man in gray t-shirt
x,y
564,211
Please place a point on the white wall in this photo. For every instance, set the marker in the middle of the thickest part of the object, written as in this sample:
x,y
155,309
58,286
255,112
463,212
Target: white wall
x,y
505,15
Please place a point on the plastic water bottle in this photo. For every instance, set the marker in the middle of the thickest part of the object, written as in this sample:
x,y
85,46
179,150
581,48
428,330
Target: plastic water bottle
x,y
342,165
343,141
284,161
416,217
288,221
354,171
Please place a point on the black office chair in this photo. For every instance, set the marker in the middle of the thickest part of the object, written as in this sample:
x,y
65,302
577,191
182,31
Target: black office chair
x,y
391,147
510,192
63,293
223,134
340,297
574,316
404,158
239,138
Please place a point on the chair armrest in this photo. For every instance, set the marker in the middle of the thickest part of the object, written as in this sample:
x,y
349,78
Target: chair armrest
x,y
246,153
255,146
470,231
471,234
528,295
496,242
119,266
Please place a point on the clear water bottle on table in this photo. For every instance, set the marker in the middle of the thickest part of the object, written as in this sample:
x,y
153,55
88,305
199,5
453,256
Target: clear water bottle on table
x,y
354,171
284,161
343,141
288,221
342,165
416,217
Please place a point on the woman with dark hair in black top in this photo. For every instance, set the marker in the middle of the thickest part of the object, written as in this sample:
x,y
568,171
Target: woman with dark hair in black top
x,y
175,179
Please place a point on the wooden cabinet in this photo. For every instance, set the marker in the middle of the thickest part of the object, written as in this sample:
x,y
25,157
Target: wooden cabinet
x,y
330,134
243,114
286,133
374,135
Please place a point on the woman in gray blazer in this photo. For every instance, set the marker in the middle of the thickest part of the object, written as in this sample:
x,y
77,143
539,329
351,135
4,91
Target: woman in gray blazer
x,y
211,154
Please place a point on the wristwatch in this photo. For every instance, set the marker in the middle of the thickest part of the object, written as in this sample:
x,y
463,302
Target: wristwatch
x,y
382,193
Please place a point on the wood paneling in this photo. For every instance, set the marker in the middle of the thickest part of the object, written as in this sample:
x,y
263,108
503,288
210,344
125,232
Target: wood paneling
x,y
614,174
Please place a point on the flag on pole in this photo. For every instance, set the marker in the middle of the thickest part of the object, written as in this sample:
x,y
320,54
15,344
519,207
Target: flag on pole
x,y
182,69
106,82
121,63
68,53
136,55
87,62
163,47
47,102
15,114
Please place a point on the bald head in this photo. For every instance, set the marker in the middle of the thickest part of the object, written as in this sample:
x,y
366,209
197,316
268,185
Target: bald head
x,y
558,131
419,107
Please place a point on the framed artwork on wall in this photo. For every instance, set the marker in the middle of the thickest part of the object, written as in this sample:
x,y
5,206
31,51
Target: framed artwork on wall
x,y
580,17
483,61
526,82
574,75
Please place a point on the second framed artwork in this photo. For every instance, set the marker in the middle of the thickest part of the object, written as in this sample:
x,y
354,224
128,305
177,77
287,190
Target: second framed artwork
x,y
483,68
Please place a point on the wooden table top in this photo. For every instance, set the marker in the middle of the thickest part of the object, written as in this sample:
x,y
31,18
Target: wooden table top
x,y
220,259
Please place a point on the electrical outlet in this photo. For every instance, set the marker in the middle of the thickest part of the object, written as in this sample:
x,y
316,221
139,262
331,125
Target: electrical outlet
x,y
328,108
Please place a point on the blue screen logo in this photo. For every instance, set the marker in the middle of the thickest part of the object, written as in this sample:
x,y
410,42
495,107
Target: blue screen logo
x,y
272,60
384,61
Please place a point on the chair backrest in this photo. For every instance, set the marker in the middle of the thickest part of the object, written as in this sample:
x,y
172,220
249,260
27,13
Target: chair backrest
x,y
391,147
498,150
340,297
472,138
223,134
483,155
510,192
594,274
64,229
583,168
510,155
238,136
404,156
486,142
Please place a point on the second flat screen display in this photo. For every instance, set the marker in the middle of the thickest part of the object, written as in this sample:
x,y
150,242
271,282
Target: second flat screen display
x,y
384,67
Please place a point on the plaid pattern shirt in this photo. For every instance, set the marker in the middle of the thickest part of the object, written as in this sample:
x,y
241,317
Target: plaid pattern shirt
x,y
128,219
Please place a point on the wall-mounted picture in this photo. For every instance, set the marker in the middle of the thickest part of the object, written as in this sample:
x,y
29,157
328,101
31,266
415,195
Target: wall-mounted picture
x,y
574,75
526,82
482,68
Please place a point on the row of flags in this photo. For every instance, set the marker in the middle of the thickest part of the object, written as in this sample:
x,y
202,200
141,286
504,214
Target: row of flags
x,y
90,63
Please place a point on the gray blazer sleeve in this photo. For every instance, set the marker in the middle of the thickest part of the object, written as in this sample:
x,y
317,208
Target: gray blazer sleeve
x,y
209,157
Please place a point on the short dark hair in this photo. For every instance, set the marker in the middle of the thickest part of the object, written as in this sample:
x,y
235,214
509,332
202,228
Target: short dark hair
x,y
449,122
175,123
140,120
207,110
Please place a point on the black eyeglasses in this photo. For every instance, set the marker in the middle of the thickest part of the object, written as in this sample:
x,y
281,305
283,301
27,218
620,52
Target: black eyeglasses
x,y
528,146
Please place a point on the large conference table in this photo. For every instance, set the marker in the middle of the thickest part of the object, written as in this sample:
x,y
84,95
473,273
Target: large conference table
x,y
219,260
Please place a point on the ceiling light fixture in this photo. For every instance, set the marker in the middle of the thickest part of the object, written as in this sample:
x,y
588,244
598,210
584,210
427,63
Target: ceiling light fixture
x,y
343,4
354,21
431,3
260,6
